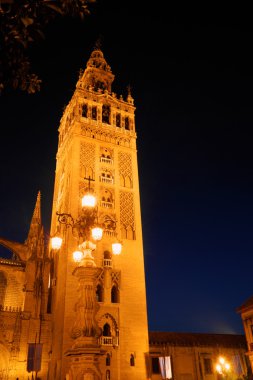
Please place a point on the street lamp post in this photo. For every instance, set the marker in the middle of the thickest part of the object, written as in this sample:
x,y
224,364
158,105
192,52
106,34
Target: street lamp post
x,y
86,229
222,367
85,332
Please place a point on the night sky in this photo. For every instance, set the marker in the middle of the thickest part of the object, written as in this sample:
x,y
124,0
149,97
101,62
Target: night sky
x,y
190,70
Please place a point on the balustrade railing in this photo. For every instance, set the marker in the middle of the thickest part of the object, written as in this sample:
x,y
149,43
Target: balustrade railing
x,y
12,309
110,233
106,160
107,263
108,341
106,179
106,204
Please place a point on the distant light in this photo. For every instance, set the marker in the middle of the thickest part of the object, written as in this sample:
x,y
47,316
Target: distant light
x,y
88,200
56,242
77,256
116,248
97,233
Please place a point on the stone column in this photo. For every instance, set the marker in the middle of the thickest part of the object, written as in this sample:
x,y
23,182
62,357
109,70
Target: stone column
x,y
85,352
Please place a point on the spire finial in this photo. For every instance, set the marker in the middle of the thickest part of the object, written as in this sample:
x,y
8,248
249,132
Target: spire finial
x,y
37,210
98,43
129,88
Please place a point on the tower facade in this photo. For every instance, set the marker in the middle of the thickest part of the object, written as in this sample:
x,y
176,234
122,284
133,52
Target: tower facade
x,y
99,314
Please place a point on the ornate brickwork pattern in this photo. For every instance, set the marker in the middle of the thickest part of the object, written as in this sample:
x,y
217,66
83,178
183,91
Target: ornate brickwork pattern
x,y
100,277
127,209
87,156
125,164
115,276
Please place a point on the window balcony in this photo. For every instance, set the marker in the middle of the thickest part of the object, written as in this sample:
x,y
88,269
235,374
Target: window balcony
x,y
108,341
106,204
106,179
107,263
110,233
106,160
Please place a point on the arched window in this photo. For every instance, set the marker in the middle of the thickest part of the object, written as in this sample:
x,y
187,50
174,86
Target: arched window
x,y
128,182
118,120
130,233
3,285
115,294
132,363
94,113
107,330
106,111
107,259
127,123
106,156
107,255
99,293
84,110
123,232
49,300
106,177
122,180
108,360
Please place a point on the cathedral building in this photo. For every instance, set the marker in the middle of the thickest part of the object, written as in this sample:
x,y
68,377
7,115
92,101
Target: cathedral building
x,y
76,310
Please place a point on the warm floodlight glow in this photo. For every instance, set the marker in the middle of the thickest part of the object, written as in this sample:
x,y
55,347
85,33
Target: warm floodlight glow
x,y
227,366
77,256
218,368
116,248
97,233
56,242
88,200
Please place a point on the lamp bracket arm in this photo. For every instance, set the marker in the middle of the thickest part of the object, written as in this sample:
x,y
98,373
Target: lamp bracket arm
x,y
65,218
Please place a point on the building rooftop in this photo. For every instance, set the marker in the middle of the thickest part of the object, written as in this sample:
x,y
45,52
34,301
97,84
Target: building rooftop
x,y
197,339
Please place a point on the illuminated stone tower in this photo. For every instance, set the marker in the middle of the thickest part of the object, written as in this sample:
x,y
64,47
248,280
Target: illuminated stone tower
x,y
99,312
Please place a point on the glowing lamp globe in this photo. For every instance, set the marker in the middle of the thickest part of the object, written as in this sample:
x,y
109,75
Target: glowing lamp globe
x,y
116,248
97,233
88,200
77,256
56,242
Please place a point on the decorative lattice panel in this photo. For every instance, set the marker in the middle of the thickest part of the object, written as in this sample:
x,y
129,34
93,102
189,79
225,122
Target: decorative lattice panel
x,y
125,164
115,276
127,209
100,277
87,157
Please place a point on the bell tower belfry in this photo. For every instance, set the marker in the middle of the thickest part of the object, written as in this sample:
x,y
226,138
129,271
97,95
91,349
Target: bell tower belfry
x,y
100,329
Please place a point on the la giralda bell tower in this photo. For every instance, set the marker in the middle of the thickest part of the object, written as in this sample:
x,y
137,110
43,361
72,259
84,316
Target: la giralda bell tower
x,y
100,329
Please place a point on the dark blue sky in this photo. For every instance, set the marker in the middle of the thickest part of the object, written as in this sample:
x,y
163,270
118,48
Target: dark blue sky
x,y
191,75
